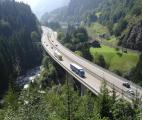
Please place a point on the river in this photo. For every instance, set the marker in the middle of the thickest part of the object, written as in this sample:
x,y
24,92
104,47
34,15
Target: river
x,y
29,76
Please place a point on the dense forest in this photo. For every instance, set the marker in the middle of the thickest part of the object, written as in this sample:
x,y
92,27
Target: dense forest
x,y
55,105
75,12
19,37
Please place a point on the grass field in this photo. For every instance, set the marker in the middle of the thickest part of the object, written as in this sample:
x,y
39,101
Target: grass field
x,y
117,61
97,29
112,41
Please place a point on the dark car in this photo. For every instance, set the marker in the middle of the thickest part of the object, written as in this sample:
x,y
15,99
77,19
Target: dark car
x,y
131,92
126,84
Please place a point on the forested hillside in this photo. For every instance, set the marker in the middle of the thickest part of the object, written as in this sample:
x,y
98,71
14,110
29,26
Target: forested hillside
x,y
48,100
75,12
122,18
59,14
19,34
78,9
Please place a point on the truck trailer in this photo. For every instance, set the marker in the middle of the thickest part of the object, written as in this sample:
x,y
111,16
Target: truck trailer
x,y
77,69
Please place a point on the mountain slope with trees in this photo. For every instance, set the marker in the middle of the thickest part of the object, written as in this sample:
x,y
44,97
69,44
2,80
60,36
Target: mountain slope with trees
x,y
19,34
75,12
63,101
122,18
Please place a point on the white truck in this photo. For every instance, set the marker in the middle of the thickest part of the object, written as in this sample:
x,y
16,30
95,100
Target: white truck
x,y
58,55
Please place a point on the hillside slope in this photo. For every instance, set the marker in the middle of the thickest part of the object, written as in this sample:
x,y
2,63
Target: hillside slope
x,y
19,33
122,18
75,12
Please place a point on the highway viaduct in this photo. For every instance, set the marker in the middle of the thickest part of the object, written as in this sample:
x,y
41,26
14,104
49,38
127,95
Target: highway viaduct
x,y
94,75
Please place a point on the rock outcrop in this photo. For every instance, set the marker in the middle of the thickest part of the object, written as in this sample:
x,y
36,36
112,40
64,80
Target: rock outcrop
x,y
134,37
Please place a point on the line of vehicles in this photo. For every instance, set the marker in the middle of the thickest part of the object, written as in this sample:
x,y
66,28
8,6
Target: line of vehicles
x,y
74,67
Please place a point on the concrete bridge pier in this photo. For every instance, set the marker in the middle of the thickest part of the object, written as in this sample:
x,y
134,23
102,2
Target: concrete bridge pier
x,y
71,81
83,90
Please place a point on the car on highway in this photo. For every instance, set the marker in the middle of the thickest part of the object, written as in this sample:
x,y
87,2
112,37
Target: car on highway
x,y
126,84
131,92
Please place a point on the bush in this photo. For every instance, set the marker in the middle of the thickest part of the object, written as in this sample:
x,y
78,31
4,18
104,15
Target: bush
x,y
119,54
117,49
117,72
101,61
136,11
120,27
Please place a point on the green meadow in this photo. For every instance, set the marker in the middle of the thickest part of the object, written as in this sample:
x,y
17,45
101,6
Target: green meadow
x,y
116,60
